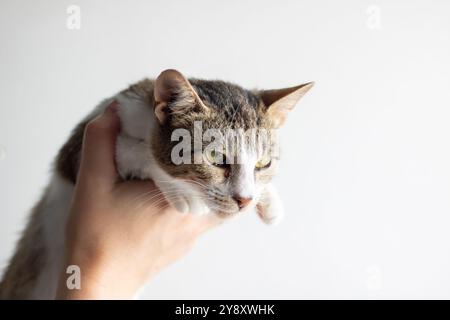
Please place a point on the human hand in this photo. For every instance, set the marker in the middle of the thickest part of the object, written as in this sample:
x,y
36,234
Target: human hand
x,y
115,234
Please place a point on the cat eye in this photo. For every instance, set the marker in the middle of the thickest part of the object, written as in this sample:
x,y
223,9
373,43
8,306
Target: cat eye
x,y
216,158
263,163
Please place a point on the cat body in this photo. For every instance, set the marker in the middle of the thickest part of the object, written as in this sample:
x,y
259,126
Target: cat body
x,y
150,111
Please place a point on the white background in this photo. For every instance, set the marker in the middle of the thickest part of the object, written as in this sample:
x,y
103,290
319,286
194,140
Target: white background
x,y
365,174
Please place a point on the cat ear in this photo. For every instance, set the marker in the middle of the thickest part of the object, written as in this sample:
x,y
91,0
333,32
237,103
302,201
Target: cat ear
x,y
172,87
280,101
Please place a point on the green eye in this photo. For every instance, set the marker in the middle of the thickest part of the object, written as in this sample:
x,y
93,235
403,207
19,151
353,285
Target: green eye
x,y
216,158
263,163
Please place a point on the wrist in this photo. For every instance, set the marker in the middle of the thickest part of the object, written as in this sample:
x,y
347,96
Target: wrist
x,y
89,276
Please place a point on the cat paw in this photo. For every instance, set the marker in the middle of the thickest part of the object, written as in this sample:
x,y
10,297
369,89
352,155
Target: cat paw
x,y
270,207
270,216
181,204
189,205
198,207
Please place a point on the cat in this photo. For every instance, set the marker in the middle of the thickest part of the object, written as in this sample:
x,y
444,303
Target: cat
x,y
150,112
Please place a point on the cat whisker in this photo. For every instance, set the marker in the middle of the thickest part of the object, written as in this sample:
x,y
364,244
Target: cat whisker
x,y
170,197
167,190
212,205
144,194
185,180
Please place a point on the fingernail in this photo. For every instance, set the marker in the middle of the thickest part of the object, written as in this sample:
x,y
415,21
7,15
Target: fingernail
x,y
112,108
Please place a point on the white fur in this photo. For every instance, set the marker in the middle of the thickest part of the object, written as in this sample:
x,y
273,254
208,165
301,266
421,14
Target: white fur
x,y
271,211
245,180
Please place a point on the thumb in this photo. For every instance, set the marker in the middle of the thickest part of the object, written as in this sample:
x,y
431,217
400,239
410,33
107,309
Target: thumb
x,y
97,168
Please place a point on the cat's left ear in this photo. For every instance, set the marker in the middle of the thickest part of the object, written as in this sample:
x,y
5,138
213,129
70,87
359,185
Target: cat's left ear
x,y
280,102
174,94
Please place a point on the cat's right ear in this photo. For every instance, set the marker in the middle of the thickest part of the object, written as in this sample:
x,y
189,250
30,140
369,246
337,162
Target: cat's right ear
x,y
171,87
280,102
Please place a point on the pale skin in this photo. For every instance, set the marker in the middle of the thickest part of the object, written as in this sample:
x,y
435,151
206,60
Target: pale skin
x,y
118,241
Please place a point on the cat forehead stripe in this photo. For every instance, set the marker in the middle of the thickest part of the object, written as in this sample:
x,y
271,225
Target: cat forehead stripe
x,y
224,94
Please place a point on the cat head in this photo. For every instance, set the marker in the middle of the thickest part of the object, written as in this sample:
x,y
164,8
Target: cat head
x,y
220,137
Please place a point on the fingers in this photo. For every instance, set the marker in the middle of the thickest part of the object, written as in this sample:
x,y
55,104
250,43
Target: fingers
x,y
98,153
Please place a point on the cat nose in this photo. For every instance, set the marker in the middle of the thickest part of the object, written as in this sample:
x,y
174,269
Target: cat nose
x,y
242,201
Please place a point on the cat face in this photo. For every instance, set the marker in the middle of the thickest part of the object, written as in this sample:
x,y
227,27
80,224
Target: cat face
x,y
220,137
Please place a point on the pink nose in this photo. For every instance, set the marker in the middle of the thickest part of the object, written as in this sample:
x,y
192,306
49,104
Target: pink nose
x,y
241,201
